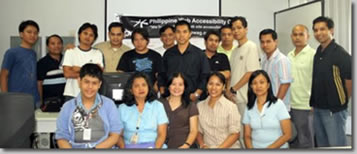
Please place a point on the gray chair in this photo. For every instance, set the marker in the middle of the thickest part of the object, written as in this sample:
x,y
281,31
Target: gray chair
x,y
17,120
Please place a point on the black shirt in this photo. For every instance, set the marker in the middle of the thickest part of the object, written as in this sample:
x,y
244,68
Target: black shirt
x,y
219,62
331,68
192,63
149,63
52,76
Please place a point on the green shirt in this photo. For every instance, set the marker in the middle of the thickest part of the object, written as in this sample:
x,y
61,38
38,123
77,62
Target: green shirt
x,y
220,49
301,69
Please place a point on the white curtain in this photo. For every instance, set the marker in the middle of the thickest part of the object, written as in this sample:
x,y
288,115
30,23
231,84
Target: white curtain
x,y
341,13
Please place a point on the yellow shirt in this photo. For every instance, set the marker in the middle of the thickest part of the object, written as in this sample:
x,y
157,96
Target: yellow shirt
x,y
301,69
111,55
220,49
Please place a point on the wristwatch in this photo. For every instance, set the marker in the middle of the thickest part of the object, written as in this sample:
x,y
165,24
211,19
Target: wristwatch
x,y
232,91
197,95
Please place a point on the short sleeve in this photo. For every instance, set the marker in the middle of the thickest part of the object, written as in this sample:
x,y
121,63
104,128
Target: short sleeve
x,y
41,71
122,64
67,58
161,114
193,110
114,118
284,67
282,112
253,59
9,60
234,120
246,117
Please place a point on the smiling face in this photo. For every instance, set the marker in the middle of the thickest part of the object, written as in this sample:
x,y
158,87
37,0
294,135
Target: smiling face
x,y
89,86
140,88
260,85
215,87
322,33
177,87
168,37
183,34
55,46
116,36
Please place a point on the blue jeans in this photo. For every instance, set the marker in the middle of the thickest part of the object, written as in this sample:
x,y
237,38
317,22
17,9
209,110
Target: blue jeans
x,y
330,128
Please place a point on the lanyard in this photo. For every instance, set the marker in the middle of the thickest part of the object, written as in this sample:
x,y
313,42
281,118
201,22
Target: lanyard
x,y
138,123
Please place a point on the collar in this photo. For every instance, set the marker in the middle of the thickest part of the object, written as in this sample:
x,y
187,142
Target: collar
x,y
304,50
78,100
221,100
48,55
275,54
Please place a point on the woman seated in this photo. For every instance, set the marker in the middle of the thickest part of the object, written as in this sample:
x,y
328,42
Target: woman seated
x,y
266,119
183,115
89,120
219,119
143,117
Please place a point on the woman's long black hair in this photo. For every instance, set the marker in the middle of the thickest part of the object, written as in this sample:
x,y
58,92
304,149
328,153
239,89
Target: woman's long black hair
x,y
251,95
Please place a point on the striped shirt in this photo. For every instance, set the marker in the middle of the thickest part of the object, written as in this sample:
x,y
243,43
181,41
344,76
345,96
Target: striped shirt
x,y
217,123
278,68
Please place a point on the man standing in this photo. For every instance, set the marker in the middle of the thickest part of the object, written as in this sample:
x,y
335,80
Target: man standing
x,y
331,86
302,58
244,60
113,49
277,65
226,46
167,37
18,72
50,78
188,59
217,61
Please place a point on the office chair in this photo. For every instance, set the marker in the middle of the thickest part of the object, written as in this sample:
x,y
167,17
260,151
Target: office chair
x,y
17,120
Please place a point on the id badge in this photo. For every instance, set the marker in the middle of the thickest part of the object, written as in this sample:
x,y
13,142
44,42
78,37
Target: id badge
x,y
134,139
87,134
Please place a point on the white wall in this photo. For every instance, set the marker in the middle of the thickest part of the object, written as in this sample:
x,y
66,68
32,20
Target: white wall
x,y
259,13
63,17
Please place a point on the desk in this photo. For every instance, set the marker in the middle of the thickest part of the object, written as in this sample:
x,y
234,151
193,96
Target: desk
x,y
45,121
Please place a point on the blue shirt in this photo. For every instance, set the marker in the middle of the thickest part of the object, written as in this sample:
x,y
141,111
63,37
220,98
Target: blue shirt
x,y
21,64
265,125
107,112
278,67
152,116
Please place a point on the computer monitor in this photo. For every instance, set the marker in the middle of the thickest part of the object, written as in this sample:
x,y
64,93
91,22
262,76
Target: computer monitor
x,y
113,85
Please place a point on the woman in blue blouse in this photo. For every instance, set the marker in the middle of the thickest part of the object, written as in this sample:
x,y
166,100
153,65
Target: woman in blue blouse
x,y
266,120
143,117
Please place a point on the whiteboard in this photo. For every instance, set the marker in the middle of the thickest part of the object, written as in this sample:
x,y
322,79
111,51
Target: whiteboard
x,y
286,19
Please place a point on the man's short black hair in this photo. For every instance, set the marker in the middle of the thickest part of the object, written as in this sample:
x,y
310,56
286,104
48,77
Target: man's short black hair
x,y
142,31
241,19
54,35
212,32
91,26
329,22
183,22
274,35
225,26
92,70
163,29
26,23
116,24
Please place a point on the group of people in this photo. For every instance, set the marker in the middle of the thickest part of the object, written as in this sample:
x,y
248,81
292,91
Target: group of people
x,y
225,96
